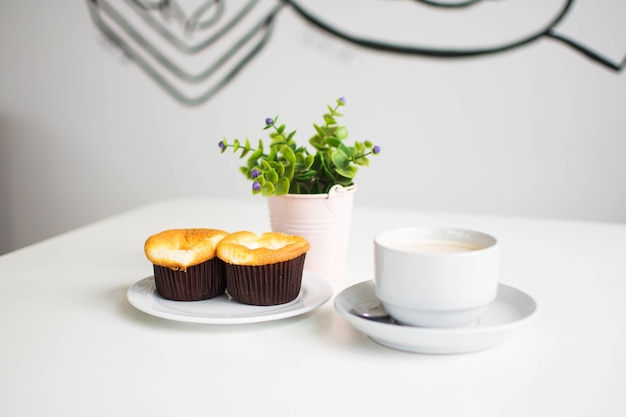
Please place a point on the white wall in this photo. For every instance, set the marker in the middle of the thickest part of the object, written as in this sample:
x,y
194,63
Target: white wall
x,y
538,130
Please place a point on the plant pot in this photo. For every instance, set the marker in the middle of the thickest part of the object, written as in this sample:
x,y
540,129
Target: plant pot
x,y
323,220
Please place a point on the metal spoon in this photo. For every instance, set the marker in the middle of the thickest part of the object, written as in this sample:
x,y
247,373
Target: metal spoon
x,y
374,311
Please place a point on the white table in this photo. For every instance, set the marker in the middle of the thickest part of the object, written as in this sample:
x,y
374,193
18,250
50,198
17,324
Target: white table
x,y
72,345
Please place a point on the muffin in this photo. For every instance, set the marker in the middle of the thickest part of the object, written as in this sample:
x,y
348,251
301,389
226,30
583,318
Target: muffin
x,y
265,269
185,265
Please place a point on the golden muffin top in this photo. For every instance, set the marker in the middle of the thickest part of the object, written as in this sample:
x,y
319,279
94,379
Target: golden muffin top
x,y
179,249
248,248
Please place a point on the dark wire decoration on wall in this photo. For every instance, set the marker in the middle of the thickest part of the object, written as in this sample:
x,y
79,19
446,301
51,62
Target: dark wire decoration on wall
x,y
547,31
458,4
256,36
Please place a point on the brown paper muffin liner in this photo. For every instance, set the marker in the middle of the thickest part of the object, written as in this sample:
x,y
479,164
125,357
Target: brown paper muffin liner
x,y
265,285
198,282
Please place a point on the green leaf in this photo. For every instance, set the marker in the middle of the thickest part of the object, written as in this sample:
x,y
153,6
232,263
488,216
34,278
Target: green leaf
x,y
349,151
334,142
271,176
282,186
348,172
340,159
256,154
289,171
330,120
267,189
341,132
305,176
273,153
309,161
344,181
278,167
318,143
288,154
325,170
363,161
318,129
303,163
265,165
278,139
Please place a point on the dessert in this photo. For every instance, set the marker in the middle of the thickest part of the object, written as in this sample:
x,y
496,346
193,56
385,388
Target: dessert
x,y
263,269
185,265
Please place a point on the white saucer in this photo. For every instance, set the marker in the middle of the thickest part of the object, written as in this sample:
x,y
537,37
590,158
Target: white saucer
x,y
223,309
511,309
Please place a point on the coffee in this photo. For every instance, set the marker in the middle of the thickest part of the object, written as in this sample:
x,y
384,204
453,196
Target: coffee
x,y
435,246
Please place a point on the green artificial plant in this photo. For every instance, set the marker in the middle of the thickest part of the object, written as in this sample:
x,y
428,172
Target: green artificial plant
x,y
285,167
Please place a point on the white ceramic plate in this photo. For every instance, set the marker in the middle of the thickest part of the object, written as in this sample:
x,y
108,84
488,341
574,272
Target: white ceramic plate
x,y
511,309
223,309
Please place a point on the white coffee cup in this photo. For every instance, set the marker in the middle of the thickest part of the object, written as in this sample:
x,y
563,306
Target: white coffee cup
x,y
436,277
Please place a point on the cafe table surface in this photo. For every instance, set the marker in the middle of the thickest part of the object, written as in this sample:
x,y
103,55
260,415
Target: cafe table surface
x,y
73,345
